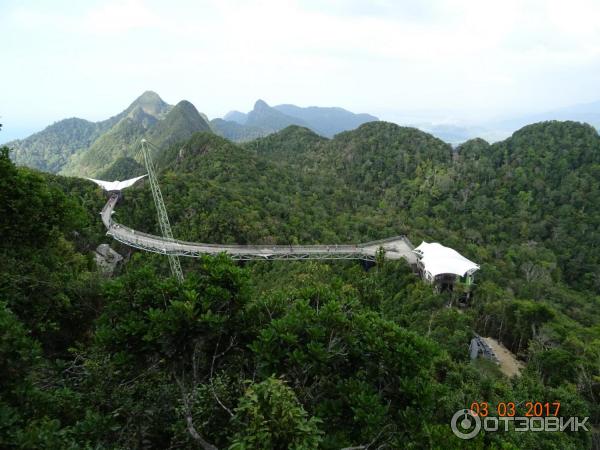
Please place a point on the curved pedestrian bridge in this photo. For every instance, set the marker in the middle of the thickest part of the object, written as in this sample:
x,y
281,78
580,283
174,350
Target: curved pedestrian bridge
x,y
395,247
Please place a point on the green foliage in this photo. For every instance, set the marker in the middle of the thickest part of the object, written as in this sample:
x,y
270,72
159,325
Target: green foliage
x,y
122,169
43,278
63,143
49,295
270,417
148,117
18,352
303,354
51,148
178,125
29,211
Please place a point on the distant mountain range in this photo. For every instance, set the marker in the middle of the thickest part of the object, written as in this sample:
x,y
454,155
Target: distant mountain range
x,y
79,147
265,119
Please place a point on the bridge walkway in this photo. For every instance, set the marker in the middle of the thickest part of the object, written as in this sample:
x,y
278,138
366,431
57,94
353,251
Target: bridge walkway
x,y
395,247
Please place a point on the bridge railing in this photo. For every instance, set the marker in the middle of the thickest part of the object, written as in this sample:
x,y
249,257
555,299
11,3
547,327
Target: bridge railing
x,y
129,234
401,237
164,245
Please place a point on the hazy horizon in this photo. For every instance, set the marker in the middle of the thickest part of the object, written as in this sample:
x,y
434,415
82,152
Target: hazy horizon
x,y
455,62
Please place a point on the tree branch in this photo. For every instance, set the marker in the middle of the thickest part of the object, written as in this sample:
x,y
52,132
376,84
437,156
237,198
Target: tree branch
x,y
190,420
212,368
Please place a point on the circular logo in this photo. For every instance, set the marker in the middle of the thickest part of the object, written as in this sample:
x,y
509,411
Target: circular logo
x,y
465,424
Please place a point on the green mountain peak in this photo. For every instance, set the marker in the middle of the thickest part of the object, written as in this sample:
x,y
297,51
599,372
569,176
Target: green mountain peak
x,y
151,103
179,124
147,117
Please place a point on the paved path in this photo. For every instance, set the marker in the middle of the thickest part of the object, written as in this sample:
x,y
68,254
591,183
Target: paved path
x,y
395,247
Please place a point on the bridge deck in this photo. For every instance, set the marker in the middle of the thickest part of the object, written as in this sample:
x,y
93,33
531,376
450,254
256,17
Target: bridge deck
x,y
395,247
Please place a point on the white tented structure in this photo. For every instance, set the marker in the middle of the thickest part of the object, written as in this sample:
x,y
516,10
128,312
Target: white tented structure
x,y
443,266
116,186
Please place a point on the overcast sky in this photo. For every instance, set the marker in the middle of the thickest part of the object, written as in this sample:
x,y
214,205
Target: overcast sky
x,y
449,60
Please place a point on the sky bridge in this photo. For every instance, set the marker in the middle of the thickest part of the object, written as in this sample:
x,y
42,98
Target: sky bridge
x,y
439,265
397,247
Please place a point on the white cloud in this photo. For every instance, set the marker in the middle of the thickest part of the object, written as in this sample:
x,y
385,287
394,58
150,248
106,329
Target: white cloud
x,y
463,55
119,16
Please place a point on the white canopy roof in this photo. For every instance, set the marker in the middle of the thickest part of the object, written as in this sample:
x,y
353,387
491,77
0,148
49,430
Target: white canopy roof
x,y
438,259
116,185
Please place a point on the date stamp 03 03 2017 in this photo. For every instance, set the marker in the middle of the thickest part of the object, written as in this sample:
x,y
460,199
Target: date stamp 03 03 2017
x,y
504,416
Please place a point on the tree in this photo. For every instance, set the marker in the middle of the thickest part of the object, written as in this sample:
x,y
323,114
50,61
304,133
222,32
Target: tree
x,y
270,417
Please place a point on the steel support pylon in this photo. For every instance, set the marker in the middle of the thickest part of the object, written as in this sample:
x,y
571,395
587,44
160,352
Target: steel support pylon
x,y
161,210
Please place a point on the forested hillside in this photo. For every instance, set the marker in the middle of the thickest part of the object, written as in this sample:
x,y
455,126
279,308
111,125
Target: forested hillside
x,y
50,149
304,355
78,147
53,148
163,128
